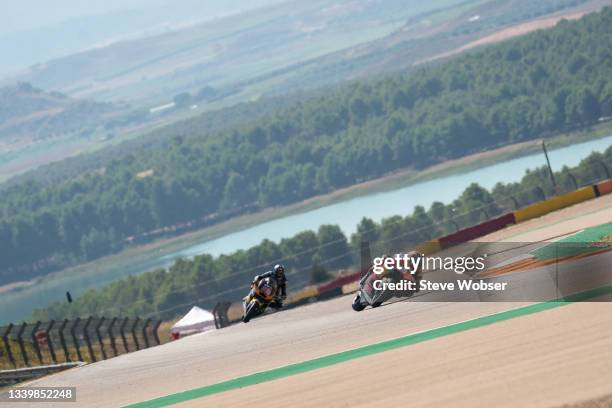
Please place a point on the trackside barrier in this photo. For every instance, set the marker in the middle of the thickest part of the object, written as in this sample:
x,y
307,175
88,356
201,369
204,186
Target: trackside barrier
x,y
554,204
234,312
339,282
522,214
350,287
302,294
330,294
605,187
476,231
87,340
429,247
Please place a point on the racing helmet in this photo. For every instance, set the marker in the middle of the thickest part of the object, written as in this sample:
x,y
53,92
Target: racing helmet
x,y
279,271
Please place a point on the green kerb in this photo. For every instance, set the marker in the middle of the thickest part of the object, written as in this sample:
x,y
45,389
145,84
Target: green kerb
x,y
577,244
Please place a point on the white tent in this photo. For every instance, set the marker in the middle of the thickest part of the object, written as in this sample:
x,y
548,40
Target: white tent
x,y
196,321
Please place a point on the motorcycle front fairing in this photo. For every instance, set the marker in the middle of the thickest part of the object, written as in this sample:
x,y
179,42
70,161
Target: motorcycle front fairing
x,y
368,293
261,295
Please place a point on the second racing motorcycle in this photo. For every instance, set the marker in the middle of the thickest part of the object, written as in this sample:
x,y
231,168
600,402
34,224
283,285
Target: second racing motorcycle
x,y
368,295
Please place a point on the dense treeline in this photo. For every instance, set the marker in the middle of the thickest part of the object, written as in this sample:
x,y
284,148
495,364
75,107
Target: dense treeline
x,y
205,280
541,83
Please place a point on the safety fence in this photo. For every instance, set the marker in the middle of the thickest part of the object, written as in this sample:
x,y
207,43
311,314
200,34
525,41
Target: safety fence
x,y
479,221
87,340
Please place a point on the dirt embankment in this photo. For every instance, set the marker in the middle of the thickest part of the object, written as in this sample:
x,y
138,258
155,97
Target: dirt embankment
x,y
509,32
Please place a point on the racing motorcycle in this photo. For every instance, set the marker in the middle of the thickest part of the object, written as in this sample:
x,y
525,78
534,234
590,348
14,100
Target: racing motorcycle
x,y
367,295
262,295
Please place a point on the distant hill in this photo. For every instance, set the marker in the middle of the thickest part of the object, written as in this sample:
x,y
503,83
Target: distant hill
x,y
28,113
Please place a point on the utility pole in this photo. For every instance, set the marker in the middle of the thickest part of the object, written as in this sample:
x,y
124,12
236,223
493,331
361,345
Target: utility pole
x,y
552,175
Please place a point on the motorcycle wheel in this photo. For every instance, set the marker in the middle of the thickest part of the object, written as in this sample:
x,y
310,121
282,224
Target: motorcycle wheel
x,y
251,312
357,305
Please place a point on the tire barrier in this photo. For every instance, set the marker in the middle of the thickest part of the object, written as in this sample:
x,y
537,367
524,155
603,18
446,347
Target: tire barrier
x,y
85,340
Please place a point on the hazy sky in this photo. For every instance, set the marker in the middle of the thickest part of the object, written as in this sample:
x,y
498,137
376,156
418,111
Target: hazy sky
x,y
34,31
20,15
27,14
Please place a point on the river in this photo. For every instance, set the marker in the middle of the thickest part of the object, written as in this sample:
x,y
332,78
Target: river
x,y
347,214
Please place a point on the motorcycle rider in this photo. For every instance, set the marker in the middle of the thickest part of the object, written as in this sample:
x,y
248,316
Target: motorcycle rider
x,y
278,274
